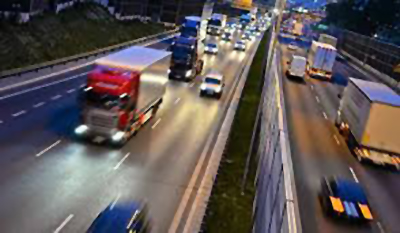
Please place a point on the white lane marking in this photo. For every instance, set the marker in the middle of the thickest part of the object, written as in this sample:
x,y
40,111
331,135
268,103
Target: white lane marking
x,y
336,139
354,174
41,86
1,122
380,227
325,116
115,201
48,148
177,101
312,87
71,90
65,222
122,160
56,97
19,113
192,84
39,104
155,124
317,98
82,85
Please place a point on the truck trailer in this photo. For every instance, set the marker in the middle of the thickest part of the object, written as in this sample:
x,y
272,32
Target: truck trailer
x,y
188,49
327,39
368,120
321,59
123,92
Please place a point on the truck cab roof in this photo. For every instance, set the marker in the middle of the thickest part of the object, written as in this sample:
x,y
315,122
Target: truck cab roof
x,y
377,92
134,58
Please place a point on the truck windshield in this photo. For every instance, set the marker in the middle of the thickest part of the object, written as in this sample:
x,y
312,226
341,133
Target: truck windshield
x,y
102,100
181,51
215,22
212,81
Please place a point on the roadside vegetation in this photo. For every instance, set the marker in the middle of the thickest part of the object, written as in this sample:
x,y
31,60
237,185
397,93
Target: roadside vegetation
x,y
85,27
229,210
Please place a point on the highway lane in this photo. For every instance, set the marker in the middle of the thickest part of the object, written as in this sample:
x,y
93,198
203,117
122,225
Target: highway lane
x,y
74,181
318,150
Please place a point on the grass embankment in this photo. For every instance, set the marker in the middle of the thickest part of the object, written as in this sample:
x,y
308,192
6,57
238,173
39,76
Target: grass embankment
x,y
85,27
229,210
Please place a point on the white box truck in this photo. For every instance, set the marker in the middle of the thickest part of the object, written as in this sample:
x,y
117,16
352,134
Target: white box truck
x,y
321,59
216,24
368,118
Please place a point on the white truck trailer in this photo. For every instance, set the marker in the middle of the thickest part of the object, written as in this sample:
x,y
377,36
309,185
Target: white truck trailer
x,y
327,39
321,59
368,118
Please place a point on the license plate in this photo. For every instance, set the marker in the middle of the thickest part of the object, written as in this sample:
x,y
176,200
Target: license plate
x,y
210,91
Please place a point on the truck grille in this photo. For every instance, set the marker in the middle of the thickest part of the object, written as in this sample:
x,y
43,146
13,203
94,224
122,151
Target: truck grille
x,y
102,121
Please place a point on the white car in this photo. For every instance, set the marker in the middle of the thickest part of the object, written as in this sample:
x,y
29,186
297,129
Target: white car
x,y
292,46
240,45
212,85
297,67
211,48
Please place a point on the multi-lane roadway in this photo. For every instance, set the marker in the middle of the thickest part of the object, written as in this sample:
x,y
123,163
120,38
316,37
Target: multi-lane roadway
x,y
318,150
49,182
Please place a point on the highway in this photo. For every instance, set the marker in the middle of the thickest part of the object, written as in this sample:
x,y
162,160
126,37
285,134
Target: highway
x,y
49,182
318,150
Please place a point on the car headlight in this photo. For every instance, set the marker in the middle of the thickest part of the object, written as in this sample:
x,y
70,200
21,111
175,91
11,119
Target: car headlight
x,y
188,73
169,71
215,50
81,129
203,86
118,136
218,89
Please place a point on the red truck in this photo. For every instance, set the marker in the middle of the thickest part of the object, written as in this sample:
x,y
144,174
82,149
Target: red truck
x,y
123,92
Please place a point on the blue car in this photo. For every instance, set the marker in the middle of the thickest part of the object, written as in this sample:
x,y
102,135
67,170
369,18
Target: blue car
x,y
345,199
122,218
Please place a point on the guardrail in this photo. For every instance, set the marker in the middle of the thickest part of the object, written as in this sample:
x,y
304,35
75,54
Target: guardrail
x,y
275,204
65,60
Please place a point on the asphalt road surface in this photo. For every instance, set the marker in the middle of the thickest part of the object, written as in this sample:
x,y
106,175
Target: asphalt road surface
x,y
49,182
318,150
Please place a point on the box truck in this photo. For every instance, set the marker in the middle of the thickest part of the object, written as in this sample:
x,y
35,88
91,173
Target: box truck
x,y
321,58
327,39
123,92
216,24
368,118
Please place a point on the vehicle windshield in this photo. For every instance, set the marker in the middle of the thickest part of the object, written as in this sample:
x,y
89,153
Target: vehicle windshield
x,y
212,45
214,22
240,43
181,51
102,100
212,81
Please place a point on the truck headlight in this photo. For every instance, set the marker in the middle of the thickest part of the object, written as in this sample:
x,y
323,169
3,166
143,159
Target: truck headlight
x,y
169,71
81,129
118,136
203,86
218,89
215,50
188,73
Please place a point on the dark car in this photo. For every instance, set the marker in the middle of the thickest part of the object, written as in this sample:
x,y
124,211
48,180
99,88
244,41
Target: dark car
x,y
344,199
122,218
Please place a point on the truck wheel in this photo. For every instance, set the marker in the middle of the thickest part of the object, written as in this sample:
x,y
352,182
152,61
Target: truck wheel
x,y
200,67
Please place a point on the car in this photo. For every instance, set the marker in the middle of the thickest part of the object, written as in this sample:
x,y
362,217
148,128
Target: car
x,y
247,36
211,48
212,85
344,199
122,217
227,36
292,46
240,45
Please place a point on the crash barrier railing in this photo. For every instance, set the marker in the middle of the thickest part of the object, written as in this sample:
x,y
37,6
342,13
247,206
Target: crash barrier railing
x,y
102,51
275,205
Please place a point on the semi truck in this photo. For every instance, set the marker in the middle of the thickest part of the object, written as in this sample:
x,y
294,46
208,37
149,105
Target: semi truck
x,y
123,92
327,39
188,49
368,120
216,24
321,59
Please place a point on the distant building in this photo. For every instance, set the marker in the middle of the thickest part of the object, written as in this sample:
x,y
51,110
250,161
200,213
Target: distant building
x,y
168,11
23,10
